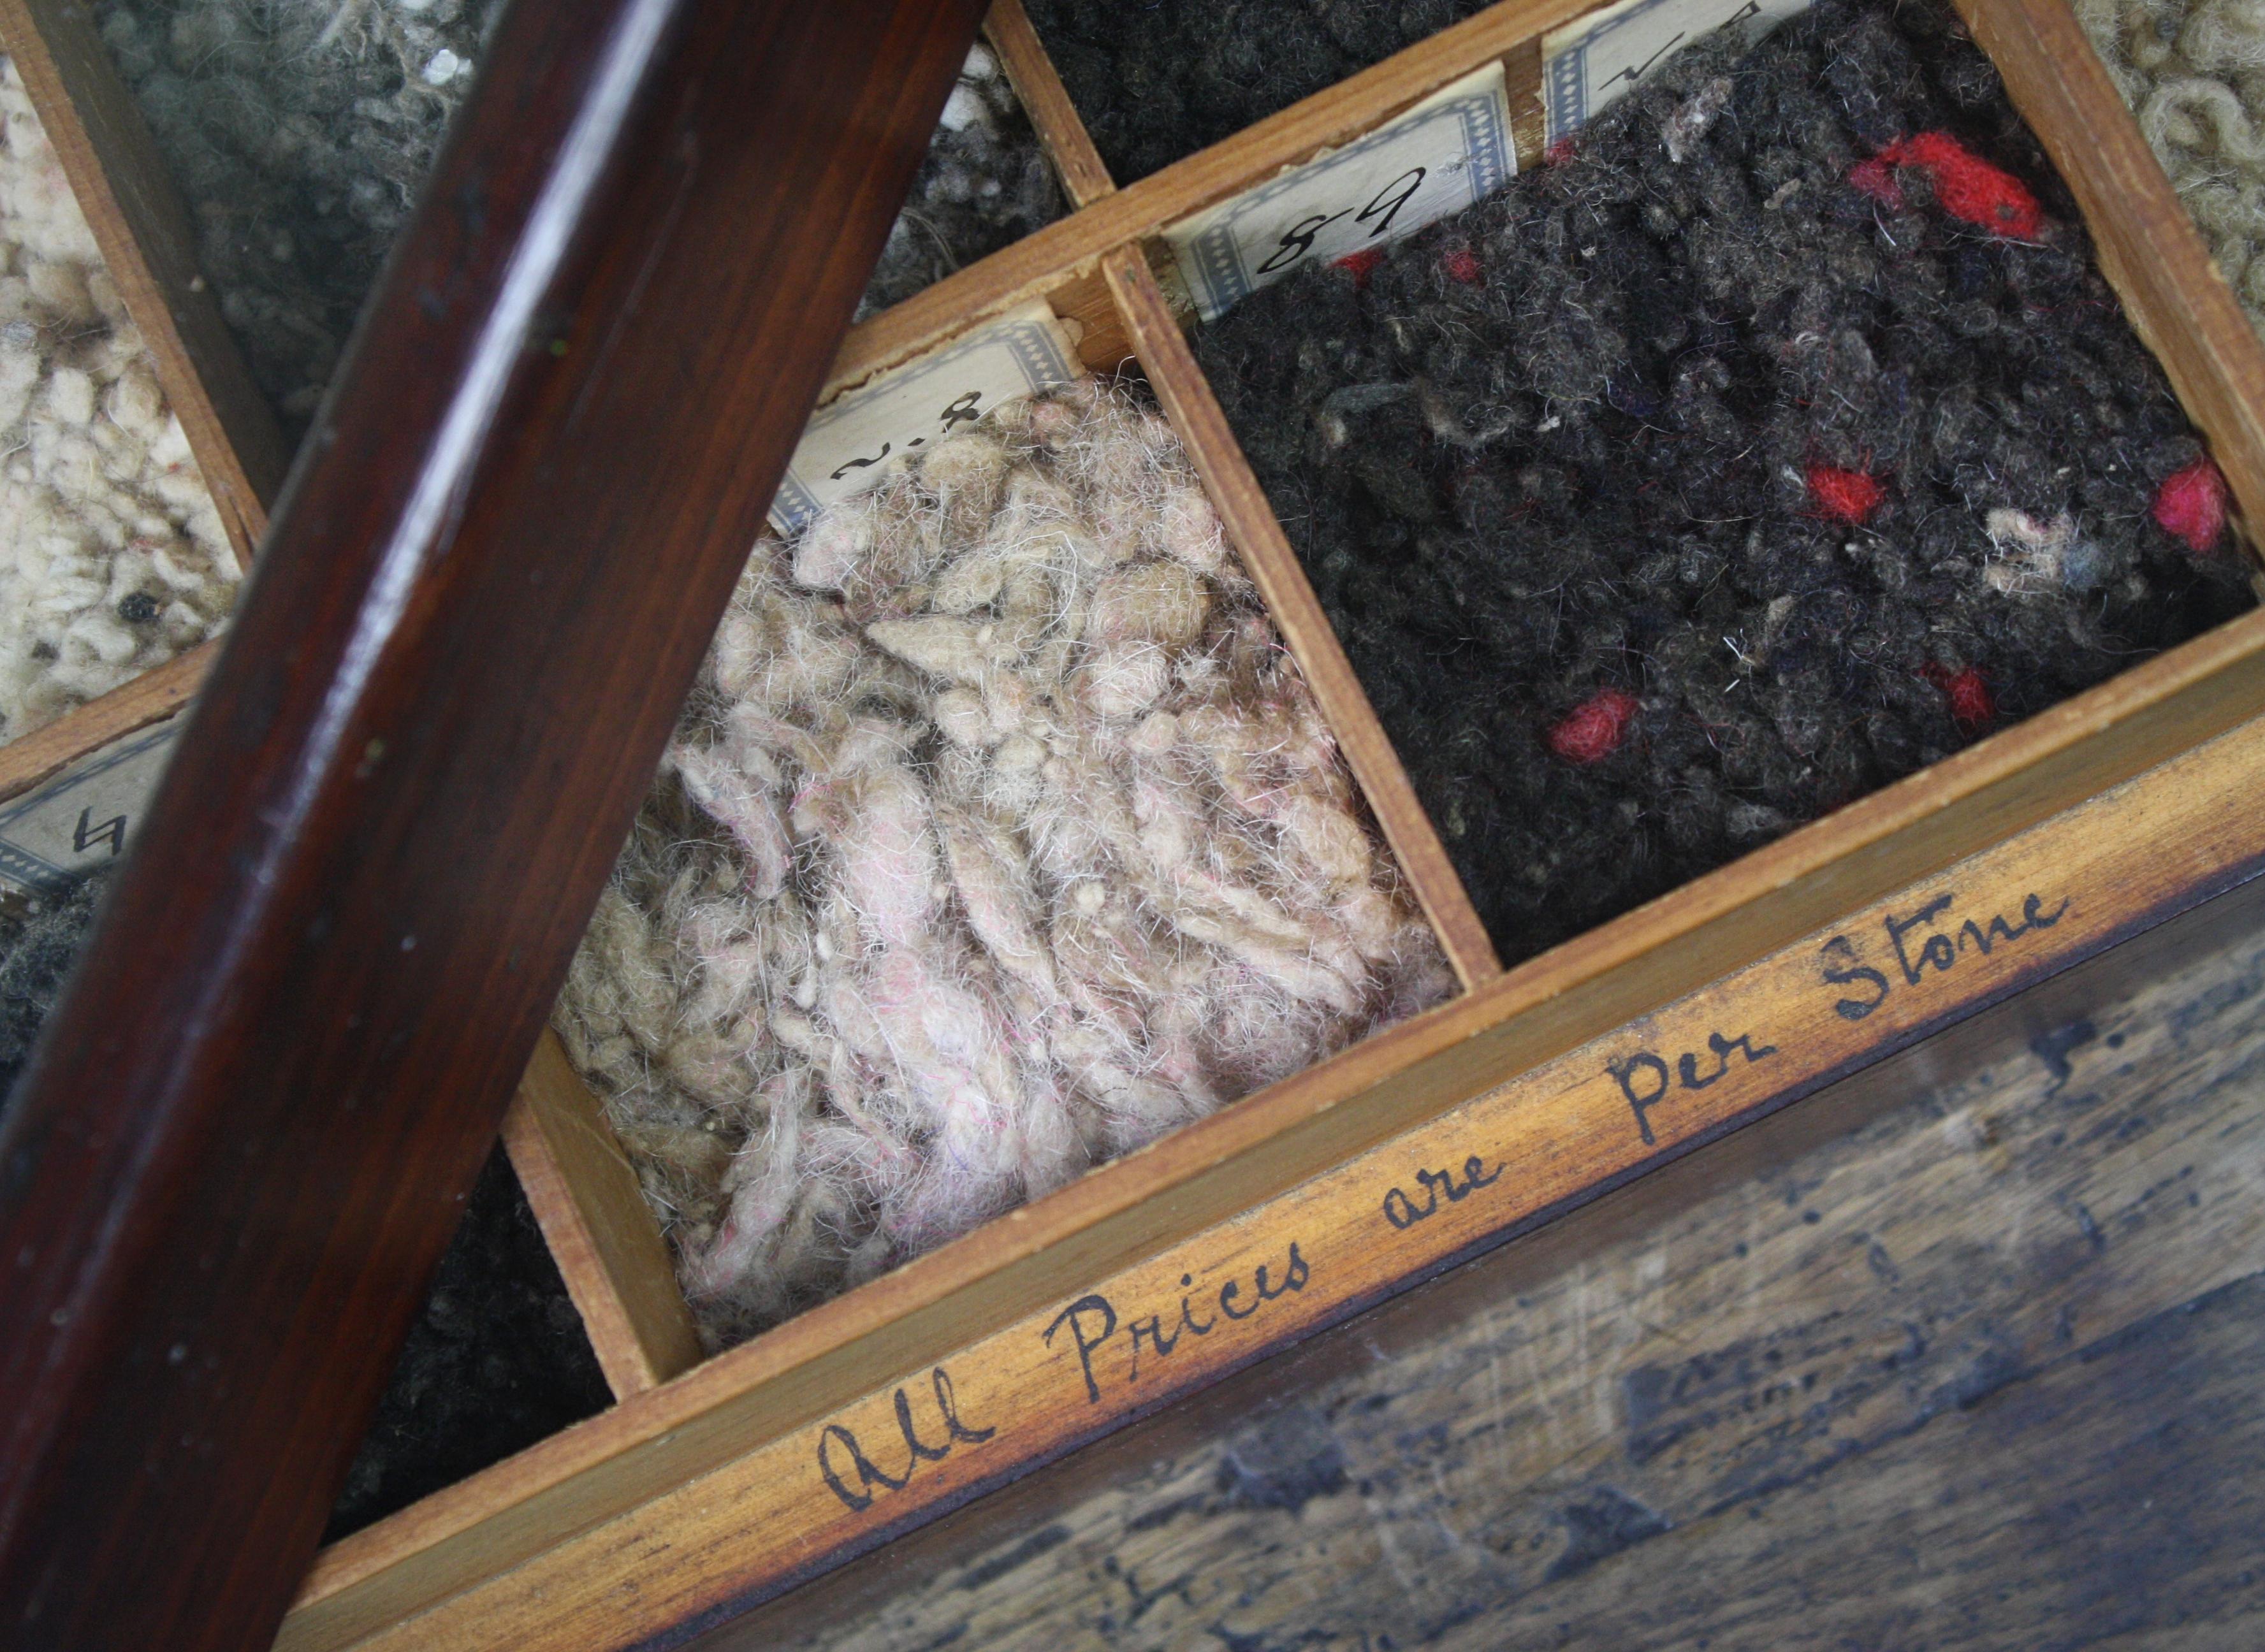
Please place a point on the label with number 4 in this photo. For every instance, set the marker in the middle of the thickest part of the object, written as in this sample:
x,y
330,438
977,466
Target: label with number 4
x,y
1450,150
1590,65
851,441
79,821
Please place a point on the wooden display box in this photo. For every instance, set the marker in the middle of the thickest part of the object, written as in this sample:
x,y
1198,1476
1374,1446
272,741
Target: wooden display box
x,y
713,1483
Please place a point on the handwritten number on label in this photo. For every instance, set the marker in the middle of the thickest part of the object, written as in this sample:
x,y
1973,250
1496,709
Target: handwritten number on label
x,y
1299,241
85,835
860,464
1389,202
963,411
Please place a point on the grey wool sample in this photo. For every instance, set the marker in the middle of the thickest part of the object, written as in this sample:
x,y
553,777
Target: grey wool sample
x,y
37,945
1161,80
1780,440
300,132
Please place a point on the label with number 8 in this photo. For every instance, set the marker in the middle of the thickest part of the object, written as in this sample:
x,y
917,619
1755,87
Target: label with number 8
x,y
1450,150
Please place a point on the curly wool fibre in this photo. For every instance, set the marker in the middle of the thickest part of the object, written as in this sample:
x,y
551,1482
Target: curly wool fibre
x,y
301,131
113,559
1599,437
2194,73
1001,837
1162,80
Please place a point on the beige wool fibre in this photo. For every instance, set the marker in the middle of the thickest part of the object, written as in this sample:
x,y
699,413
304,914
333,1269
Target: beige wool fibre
x,y
113,559
2194,73
1001,837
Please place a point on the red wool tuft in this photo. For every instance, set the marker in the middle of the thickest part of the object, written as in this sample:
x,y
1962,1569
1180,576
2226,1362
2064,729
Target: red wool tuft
x,y
1845,496
1461,265
1358,265
1876,179
1593,729
1558,153
1971,706
2191,505
1969,187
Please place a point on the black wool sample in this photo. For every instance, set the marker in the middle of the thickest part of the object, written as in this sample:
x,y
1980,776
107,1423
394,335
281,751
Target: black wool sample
x,y
497,1361
37,949
1565,469
1161,80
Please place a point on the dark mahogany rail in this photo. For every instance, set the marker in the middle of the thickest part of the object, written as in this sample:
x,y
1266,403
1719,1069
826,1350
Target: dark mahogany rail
x,y
247,1134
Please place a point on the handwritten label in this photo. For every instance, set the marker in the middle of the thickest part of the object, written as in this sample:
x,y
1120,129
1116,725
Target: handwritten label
x,y
1591,65
1093,1322
1930,939
81,819
1403,1213
1447,152
856,1478
1645,1078
851,443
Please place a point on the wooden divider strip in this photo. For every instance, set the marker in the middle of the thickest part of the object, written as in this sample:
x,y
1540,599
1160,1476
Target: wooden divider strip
x,y
601,1233
1195,412
1084,176
1523,1150
2146,243
1069,251
151,697
147,241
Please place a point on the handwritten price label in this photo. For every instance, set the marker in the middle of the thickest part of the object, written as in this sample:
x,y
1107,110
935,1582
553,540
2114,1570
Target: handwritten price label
x,y
1589,65
852,442
51,836
1448,151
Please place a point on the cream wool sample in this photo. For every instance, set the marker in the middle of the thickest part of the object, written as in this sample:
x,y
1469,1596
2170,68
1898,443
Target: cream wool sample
x,y
111,557
2194,75
1002,836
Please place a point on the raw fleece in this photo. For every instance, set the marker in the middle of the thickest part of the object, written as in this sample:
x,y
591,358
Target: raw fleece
x,y
111,557
1002,836
1161,80
301,130
495,1362
1732,415
2195,75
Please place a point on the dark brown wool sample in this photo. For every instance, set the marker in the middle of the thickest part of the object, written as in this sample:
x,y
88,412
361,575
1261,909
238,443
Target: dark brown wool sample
x,y
1572,473
1157,81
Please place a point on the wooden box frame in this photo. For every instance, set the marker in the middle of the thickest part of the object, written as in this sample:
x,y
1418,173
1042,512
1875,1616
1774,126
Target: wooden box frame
x,y
712,1484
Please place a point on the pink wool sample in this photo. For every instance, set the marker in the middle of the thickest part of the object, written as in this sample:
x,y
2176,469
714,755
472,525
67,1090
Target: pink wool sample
x,y
1001,837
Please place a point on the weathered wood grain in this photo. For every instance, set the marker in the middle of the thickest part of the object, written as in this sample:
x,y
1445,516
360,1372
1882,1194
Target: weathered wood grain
x,y
1959,1353
405,781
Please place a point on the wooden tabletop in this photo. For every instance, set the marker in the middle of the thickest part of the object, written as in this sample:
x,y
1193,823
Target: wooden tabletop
x,y
1960,1353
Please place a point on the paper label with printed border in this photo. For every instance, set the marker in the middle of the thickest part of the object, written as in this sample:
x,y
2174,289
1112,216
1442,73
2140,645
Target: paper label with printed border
x,y
859,437
1447,152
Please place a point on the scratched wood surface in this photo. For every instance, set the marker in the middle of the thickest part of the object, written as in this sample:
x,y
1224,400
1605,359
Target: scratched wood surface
x,y
1961,1352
